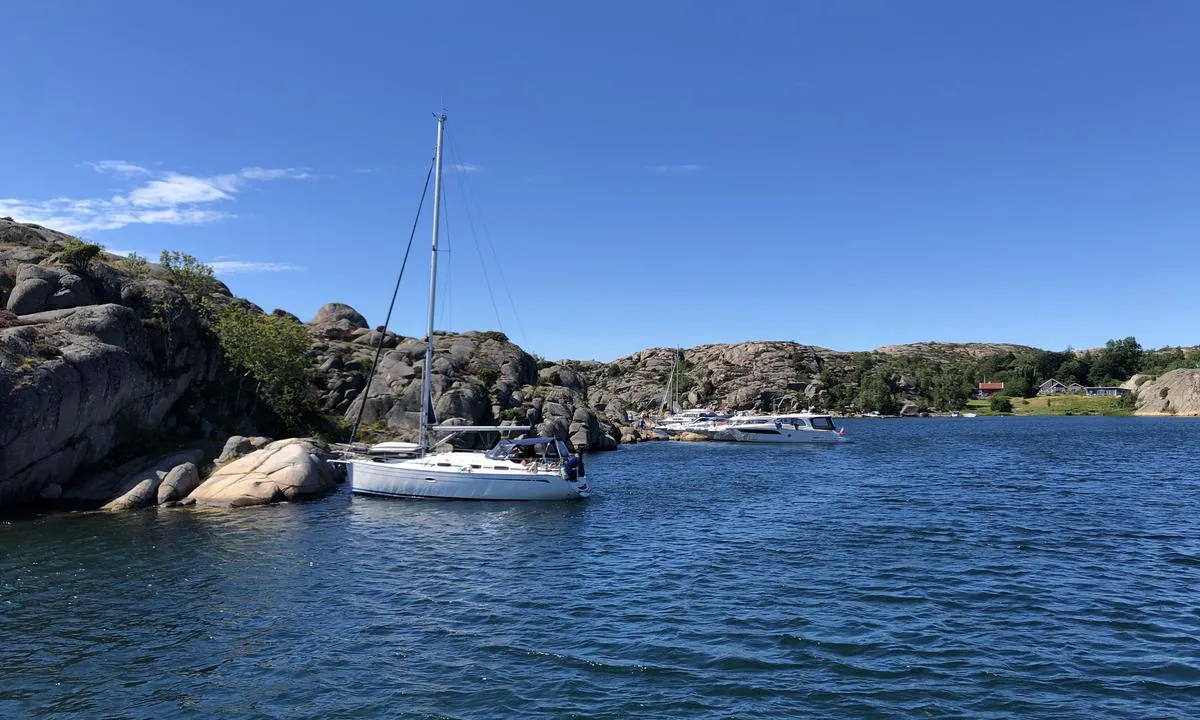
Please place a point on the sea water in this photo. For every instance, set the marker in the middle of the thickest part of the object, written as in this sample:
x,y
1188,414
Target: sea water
x,y
987,567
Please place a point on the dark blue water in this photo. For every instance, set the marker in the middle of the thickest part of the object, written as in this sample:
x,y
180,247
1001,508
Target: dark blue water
x,y
1033,568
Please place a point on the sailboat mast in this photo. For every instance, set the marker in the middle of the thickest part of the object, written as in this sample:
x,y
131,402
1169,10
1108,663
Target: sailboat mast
x,y
433,263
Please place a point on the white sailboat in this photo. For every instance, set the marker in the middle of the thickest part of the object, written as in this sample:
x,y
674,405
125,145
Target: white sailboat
x,y
674,422
526,469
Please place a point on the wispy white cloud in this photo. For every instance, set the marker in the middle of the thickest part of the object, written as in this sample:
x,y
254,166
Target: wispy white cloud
x,y
231,267
119,167
677,168
257,173
465,167
169,198
369,171
176,189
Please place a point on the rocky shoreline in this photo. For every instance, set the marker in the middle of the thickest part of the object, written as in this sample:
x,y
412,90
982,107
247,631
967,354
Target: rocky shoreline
x,y
116,394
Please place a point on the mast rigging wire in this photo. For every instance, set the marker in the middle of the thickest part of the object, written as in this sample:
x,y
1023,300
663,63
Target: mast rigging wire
x,y
391,306
465,190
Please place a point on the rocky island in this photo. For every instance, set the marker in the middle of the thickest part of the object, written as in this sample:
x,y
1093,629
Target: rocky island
x,y
125,383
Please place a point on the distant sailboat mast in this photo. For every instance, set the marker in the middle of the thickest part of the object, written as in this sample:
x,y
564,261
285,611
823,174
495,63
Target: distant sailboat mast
x,y
433,263
669,400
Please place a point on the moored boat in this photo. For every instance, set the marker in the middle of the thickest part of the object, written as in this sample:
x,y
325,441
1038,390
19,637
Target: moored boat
x,y
528,469
688,421
793,428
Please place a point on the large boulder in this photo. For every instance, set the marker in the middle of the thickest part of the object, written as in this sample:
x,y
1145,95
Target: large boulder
x,y
136,484
467,401
179,482
30,296
563,376
238,445
337,321
41,288
585,430
283,470
334,312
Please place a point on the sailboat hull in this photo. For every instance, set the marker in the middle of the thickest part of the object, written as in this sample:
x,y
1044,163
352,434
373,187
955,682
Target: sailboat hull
x,y
430,478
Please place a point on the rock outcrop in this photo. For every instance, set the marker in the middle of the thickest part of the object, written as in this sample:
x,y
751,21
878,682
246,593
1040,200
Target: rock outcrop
x,y
1174,393
759,376
89,360
282,471
954,352
478,378
237,446
337,321
137,483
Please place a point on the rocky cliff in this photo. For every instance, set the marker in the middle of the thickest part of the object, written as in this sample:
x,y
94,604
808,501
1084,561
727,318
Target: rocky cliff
x,y
740,376
478,378
954,352
1173,393
761,376
91,358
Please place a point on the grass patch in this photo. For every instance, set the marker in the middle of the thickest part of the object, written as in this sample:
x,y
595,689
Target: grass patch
x,y
1057,405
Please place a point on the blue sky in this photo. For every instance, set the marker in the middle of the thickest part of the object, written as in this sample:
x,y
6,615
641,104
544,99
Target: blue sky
x,y
641,174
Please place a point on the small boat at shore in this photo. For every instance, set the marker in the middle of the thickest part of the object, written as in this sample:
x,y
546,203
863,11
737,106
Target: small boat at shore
x,y
795,428
539,468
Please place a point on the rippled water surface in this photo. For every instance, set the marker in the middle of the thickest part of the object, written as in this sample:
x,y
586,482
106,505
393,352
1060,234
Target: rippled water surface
x,y
938,568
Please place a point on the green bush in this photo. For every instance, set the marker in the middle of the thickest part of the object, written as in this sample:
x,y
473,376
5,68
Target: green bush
x,y
272,351
134,264
1162,393
517,414
191,277
1001,404
78,255
487,376
493,335
614,370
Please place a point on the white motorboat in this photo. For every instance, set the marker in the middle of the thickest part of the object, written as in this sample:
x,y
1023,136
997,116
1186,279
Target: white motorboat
x,y
795,428
528,469
694,420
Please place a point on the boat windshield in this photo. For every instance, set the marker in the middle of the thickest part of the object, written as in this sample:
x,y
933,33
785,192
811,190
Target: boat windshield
x,y
528,449
823,422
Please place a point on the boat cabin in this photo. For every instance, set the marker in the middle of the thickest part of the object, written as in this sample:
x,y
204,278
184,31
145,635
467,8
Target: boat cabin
x,y
774,423
547,450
